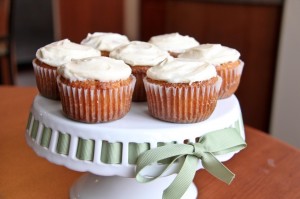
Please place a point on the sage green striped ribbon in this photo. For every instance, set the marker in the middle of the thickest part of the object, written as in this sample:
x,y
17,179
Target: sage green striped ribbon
x,y
213,143
111,152
63,143
34,129
29,120
135,150
46,137
85,150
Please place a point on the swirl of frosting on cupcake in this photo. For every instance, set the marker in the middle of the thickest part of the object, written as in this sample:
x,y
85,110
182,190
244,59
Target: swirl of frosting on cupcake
x,y
104,41
182,71
174,42
61,52
215,54
103,69
138,53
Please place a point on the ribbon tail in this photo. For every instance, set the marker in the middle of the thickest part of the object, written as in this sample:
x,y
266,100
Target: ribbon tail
x,y
183,179
216,168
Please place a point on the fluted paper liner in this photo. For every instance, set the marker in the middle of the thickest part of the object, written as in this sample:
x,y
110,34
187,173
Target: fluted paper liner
x,y
46,81
188,104
92,105
231,79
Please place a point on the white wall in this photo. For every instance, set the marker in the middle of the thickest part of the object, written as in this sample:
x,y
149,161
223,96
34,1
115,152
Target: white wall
x,y
285,120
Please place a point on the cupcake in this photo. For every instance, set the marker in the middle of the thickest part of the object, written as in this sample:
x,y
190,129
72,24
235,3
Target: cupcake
x,y
104,42
182,91
140,56
174,43
53,55
227,62
96,89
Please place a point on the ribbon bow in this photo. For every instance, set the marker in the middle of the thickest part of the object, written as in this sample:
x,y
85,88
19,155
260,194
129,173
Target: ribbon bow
x,y
213,143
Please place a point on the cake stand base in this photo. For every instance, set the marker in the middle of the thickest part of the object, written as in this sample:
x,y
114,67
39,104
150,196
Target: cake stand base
x,y
91,186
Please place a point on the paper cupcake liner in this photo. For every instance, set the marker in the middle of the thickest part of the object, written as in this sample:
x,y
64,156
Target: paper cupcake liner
x,y
182,104
139,93
231,80
93,105
46,81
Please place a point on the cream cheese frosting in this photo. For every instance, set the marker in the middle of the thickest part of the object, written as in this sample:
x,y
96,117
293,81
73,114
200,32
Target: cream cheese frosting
x,y
215,54
140,53
104,40
182,71
99,68
61,52
174,42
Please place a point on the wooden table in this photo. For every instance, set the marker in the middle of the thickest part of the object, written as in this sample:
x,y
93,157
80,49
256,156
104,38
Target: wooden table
x,y
267,168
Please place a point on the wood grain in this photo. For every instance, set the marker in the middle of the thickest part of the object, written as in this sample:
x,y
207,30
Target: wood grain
x,y
266,169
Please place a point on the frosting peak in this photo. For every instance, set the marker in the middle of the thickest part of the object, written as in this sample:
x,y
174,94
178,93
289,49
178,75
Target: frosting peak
x,y
174,42
215,54
140,53
61,52
182,71
104,41
99,68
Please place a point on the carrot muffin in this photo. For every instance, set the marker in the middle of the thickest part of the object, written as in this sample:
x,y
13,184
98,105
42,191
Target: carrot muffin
x,y
105,42
182,91
49,57
227,62
140,56
95,89
174,43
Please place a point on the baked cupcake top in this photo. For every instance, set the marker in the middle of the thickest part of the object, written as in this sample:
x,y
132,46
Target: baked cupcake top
x,y
138,53
182,71
174,42
103,69
104,40
215,54
61,52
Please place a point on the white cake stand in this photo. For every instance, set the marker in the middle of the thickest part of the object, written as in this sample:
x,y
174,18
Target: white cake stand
x,y
107,151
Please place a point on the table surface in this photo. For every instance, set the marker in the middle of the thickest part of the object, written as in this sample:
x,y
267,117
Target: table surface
x,y
267,168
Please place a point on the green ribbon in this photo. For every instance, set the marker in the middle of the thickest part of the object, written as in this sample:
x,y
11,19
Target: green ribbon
x,y
111,152
213,143
63,143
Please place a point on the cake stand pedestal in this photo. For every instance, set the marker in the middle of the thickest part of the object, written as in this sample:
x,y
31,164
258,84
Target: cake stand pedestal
x,y
108,151
92,186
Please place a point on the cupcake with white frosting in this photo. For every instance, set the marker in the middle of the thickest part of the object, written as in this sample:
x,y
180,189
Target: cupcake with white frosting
x,y
226,60
105,42
182,91
174,43
95,89
50,57
140,56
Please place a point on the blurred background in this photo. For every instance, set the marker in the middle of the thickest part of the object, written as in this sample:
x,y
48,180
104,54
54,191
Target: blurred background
x,y
266,32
